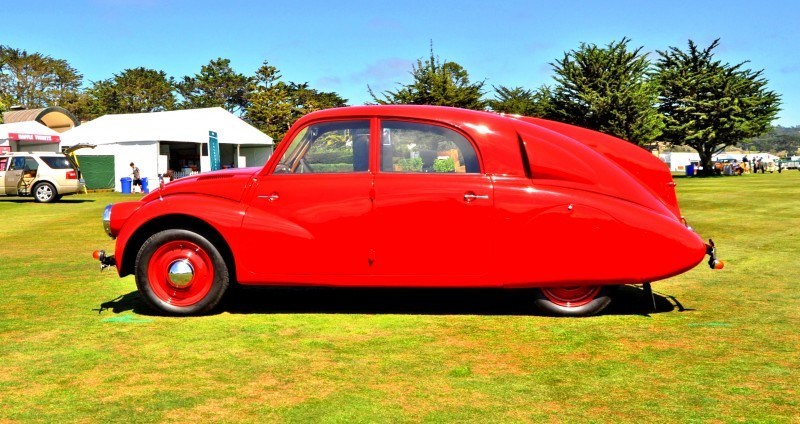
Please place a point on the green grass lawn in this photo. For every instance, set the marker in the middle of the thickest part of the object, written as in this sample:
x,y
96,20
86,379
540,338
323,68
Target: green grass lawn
x,y
79,345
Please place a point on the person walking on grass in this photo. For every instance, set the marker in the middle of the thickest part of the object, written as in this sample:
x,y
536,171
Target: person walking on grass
x,y
137,179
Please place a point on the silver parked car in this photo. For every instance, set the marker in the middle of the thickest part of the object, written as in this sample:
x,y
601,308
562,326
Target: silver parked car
x,y
43,175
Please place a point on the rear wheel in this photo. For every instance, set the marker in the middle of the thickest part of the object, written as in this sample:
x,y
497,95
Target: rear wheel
x,y
575,301
180,272
45,193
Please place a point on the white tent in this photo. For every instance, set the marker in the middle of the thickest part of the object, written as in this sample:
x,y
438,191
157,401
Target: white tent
x,y
766,157
175,141
28,136
678,161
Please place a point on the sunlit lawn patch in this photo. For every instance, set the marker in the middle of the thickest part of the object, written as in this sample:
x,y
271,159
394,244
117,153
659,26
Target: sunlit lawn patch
x,y
79,345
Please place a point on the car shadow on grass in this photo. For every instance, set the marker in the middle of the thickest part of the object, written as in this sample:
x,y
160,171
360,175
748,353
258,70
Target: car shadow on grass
x,y
76,201
628,300
30,200
127,302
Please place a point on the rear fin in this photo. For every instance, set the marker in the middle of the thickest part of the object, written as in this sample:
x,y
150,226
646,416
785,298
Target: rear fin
x,y
638,162
526,163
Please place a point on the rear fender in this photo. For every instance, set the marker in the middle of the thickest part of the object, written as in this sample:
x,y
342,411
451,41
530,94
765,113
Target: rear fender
x,y
575,237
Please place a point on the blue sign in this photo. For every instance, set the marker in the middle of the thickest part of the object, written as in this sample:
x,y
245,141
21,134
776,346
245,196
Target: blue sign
x,y
213,151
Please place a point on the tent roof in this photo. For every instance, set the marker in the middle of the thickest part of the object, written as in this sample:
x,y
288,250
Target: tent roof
x,y
54,117
190,125
25,127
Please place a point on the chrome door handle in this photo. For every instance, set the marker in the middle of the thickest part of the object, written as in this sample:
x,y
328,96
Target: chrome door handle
x,y
470,196
271,197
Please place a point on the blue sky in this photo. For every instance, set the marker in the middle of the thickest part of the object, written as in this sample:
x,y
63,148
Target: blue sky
x,y
344,46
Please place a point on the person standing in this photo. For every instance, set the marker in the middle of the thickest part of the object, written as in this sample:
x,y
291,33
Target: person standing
x,y
137,179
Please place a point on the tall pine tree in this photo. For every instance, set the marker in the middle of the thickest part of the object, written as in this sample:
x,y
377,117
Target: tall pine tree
x,y
709,105
607,89
436,83
521,101
217,84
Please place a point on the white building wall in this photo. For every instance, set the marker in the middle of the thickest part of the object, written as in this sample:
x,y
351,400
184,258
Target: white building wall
x,y
144,154
27,146
255,155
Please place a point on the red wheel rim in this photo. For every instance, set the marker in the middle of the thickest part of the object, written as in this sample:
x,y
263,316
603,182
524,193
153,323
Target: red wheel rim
x,y
571,297
190,288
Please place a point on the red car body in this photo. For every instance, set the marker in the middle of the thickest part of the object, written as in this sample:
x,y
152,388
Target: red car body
x,y
519,203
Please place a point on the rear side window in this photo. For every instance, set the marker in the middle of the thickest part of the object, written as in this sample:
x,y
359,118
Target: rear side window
x,y
3,164
415,147
57,162
23,162
31,164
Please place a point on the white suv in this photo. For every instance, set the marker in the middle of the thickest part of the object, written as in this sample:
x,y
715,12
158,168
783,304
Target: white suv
x,y
45,176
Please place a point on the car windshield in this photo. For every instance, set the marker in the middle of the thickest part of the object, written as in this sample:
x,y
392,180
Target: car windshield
x,y
330,147
57,162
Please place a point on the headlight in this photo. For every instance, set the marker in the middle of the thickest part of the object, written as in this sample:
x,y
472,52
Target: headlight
x,y
107,220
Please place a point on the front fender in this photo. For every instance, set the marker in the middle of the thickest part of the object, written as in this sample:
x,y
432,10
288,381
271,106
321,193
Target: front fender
x,y
179,211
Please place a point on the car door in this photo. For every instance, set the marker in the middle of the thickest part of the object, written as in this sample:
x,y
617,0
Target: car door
x,y
4,161
13,176
311,214
433,207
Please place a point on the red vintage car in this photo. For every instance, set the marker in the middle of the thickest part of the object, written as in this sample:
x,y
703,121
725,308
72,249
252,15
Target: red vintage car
x,y
414,196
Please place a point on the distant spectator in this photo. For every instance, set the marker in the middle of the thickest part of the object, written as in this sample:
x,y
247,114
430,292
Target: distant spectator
x,y
137,178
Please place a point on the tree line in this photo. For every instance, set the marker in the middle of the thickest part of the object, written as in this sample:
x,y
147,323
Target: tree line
x,y
684,97
782,140
264,99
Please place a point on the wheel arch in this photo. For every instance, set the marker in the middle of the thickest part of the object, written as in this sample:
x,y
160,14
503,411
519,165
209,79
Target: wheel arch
x,y
40,181
177,222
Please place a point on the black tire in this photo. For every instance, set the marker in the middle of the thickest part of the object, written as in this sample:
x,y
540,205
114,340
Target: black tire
x,y
44,192
596,305
156,285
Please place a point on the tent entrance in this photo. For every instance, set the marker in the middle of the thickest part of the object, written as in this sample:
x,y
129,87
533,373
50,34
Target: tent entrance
x,y
228,155
182,158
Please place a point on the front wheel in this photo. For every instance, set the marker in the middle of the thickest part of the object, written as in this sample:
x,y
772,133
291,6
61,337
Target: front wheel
x,y
576,301
181,273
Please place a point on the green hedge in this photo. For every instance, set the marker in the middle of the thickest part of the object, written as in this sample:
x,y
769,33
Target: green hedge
x,y
331,157
332,167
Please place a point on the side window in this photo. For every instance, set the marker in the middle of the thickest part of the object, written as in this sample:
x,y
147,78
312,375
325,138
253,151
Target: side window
x,y
331,147
3,164
413,147
17,163
31,164
57,162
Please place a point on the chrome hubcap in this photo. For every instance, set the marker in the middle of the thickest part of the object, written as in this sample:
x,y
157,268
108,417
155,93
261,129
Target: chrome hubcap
x,y
43,192
180,273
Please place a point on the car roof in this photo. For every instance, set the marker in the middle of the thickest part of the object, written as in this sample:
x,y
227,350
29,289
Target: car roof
x,y
503,152
446,114
31,154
